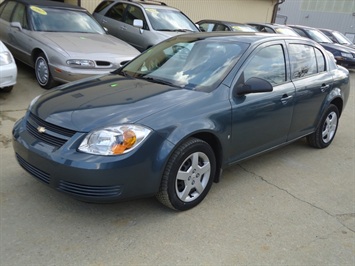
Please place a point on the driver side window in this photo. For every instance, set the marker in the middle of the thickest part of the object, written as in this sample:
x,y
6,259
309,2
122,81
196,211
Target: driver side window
x,y
268,64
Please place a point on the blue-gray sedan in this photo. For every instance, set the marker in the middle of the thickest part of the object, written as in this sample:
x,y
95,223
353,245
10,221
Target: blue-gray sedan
x,y
167,123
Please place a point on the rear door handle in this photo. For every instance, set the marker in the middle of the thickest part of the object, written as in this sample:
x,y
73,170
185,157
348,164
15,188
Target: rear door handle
x,y
324,87
123,28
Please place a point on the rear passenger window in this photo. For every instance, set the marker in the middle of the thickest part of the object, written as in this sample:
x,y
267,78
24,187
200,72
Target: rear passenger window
x,y
303,60
6,13
102,6
116,12
320,60
268,64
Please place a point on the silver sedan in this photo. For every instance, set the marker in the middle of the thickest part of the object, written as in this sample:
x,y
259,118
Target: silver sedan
x,y
61,42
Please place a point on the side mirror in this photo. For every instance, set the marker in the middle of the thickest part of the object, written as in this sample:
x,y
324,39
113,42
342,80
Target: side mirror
x,y
138,23
253,85
16,24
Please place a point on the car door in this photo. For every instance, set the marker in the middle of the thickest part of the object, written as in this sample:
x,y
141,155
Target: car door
x,y
312,82
261,121
19,38
139,38
112,20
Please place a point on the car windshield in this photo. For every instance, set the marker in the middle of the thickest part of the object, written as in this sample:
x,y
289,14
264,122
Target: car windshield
x,y
63,20
169,20
342,39
286,31
318,36
187,62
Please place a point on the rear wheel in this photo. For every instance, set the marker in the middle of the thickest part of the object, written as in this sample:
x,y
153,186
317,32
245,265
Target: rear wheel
x,y
43,73
188,175
326,130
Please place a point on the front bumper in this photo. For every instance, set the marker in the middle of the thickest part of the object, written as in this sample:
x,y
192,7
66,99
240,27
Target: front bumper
x,y
87,177
346,62
8,75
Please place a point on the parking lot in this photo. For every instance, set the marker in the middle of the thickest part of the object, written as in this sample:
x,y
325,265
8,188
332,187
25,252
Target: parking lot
x,y
292,206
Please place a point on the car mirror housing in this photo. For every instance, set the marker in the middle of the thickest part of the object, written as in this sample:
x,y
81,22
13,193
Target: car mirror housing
x,y
253,85
138,23
16,25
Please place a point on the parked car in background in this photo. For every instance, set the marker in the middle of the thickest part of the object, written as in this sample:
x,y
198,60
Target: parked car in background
x,y
169,121
338,37
345,56
60,41
142,23
8,69
274,28
209,25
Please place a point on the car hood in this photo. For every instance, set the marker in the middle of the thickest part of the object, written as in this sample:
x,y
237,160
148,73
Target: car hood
x,y
105,100
163,35
79,45
336,46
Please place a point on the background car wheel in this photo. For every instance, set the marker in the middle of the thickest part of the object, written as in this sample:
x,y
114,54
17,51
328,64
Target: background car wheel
x,y
326,130
7,89
43,73
188,175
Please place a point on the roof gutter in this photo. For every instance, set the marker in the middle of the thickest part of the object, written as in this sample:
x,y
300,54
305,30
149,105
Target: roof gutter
x,y
274,12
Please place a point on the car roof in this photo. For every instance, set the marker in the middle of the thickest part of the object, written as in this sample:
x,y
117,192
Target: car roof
x,y
147,3
271,25
220,21
246,37
302,27
45,3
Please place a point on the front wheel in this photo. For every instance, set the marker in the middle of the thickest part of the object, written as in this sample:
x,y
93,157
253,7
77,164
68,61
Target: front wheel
x,y
43,73
188,175
326,130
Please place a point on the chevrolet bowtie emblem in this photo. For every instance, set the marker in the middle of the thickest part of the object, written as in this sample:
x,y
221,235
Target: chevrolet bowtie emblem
x,y
41,129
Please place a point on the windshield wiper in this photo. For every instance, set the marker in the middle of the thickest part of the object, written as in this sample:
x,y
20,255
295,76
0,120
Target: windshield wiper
x,y
159,81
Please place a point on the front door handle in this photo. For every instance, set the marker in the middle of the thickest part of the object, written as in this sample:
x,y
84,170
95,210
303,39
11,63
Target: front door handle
x,y
285,98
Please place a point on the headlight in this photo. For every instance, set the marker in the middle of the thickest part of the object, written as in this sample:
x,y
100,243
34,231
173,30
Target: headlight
x,y
5,58
33,101
114,140
80,63
348,55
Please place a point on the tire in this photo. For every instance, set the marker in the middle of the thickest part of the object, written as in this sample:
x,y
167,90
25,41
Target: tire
x,y
325,133
7,89
188,175
43,73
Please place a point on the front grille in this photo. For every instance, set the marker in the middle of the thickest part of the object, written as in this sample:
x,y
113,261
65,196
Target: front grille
x,y
103,63
54,135
89,191
41,175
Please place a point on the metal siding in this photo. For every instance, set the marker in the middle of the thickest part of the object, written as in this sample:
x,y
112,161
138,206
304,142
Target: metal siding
x,y
331,14
233,10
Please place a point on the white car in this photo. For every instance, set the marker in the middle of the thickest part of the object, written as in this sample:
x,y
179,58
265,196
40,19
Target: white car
x,y
8,69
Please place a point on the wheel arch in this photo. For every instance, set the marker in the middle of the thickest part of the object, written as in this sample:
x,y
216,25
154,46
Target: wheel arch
x,y
338,102
35,53
214,142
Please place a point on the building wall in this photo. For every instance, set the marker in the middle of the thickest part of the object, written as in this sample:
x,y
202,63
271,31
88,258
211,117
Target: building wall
x,y
331,14
233,10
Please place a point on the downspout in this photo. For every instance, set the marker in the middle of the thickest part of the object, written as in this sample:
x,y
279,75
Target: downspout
x,y
274,12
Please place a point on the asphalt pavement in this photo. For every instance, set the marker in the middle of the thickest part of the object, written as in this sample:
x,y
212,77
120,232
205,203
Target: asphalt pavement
x,y
292,206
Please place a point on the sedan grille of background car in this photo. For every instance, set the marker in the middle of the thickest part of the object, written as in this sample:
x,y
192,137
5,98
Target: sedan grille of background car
x,y
89,191
43,176
52,135
103,63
